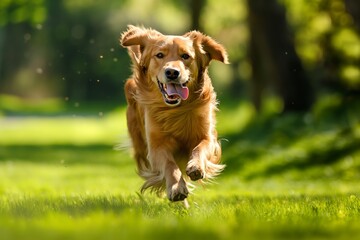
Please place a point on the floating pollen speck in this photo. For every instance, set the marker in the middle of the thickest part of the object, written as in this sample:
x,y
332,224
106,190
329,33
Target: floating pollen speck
x,y
39,70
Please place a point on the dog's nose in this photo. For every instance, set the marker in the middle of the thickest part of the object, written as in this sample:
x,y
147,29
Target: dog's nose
x,y
172,73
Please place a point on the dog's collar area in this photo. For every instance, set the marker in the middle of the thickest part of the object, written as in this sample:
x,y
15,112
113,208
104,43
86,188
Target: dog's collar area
x,y
173,93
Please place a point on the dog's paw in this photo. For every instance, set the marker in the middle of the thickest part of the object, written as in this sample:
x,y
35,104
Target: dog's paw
x,y
178,191
194,172
195,175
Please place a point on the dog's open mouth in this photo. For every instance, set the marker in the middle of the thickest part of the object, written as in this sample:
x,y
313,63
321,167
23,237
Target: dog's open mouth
x,y
173,93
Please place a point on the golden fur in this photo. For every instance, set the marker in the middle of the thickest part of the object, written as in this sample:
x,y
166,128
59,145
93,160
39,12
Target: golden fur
x,y
172,135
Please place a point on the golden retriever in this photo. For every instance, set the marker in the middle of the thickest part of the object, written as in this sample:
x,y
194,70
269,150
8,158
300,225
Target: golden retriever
x,y
171,108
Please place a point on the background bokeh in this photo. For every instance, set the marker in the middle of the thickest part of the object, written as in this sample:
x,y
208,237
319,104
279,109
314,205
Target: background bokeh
x,y
291,50
288,121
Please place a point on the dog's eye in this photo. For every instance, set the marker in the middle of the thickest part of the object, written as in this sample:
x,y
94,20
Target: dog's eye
x,y
160,55
185,56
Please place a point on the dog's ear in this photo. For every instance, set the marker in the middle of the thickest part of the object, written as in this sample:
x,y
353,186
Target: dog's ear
x,y
208,46
135,39
132,36
137,36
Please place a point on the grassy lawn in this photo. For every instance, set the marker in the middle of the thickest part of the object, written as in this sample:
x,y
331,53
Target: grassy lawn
x,y
287,177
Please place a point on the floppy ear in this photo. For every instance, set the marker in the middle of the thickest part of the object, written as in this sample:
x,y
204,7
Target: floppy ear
x,y
135,39
132,36
208,46
137,36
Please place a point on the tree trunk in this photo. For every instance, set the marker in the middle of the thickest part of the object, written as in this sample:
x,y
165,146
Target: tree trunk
x,y
353,7
273,57
196,7
14,44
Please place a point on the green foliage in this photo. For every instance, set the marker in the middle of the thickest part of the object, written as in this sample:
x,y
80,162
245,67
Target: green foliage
x,y
17,11
325,34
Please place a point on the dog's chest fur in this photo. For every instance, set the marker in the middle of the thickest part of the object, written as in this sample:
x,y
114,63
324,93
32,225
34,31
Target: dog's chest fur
x,y
186,126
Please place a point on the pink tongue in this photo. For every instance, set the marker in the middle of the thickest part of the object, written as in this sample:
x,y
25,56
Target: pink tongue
x,y
177,89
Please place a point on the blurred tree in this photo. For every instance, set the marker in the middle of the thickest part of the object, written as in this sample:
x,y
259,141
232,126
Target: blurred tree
x,y
196,8
18,21
13,12
353,7
13,49
340,45
69,51
274,59
83,52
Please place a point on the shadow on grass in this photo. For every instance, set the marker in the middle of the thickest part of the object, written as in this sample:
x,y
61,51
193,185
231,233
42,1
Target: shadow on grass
x,y
335,152
255,140
280,143
75,206
65,154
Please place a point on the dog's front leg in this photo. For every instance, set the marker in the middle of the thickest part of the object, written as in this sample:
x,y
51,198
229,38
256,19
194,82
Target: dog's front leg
x,y
204,162
163,163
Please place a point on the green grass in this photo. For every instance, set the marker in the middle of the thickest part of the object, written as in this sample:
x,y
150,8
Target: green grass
x,y
287,177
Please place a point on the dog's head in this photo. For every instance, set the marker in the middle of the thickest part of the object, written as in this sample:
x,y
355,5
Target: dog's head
x,y
172,63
